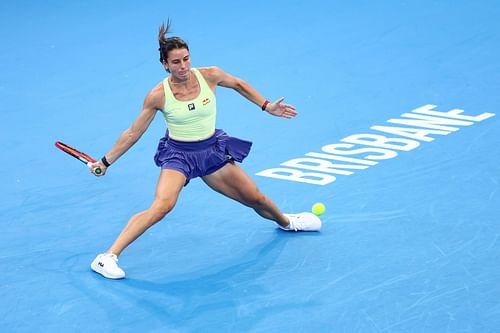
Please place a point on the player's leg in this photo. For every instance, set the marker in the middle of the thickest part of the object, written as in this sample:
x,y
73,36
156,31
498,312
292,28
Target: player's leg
x,y
170,184
234,183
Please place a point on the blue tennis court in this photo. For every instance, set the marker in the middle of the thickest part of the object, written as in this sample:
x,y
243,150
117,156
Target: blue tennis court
x,y
397,134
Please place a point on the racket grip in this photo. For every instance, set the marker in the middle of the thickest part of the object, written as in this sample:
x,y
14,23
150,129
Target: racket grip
x,y
97,170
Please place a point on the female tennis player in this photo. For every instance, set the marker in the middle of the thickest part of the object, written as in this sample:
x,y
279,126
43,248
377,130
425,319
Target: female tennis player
x,y
193,147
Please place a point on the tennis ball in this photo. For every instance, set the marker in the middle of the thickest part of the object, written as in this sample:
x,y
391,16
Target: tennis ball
x,y
318,208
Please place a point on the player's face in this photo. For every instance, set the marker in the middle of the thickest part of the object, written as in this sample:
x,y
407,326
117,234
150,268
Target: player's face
x,y
179,63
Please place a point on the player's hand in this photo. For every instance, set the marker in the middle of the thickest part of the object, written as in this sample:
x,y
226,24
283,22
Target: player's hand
x,y
280,109
97,165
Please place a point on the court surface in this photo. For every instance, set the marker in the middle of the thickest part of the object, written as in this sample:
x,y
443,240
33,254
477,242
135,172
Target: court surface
x,y
409,243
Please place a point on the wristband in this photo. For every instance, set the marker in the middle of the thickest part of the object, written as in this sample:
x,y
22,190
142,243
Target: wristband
x,y
264,106
105,161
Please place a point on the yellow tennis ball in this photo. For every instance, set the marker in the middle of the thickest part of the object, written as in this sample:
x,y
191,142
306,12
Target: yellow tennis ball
x,y
318,208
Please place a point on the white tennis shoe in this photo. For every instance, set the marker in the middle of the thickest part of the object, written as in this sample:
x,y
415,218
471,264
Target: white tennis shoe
x,y
302,222
106,264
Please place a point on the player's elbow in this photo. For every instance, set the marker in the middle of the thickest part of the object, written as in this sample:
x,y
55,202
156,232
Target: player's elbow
x,y
240,85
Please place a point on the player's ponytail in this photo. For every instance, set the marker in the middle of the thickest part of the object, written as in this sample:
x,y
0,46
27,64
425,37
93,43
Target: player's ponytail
x,y
168,43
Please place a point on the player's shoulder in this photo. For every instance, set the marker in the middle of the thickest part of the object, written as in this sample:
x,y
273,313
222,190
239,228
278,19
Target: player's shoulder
x,y
211,71
156,96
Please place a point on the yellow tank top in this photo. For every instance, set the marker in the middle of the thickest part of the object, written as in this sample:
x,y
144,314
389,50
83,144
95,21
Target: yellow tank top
x,y
192,120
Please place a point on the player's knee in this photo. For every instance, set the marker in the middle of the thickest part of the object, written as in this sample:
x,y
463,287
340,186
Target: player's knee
x,y
158,214
160,209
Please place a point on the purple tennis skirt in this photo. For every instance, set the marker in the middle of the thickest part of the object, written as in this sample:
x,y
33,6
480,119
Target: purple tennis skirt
x,y
201,158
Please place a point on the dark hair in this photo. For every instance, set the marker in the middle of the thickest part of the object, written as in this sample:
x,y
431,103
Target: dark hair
x,y
170,43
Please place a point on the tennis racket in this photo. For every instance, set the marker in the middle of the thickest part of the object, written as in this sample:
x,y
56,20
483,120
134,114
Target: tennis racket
x,y
82,157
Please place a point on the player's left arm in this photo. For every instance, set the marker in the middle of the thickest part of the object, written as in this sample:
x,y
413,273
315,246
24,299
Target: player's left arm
x,y
217,77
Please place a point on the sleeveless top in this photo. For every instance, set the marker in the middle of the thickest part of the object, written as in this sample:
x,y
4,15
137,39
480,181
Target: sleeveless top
x,y
191,120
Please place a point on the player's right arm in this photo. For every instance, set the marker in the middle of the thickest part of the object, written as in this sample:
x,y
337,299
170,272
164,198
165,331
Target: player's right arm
x,y
153,102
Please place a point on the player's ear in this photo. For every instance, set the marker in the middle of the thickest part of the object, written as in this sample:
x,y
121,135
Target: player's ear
x,y
165,65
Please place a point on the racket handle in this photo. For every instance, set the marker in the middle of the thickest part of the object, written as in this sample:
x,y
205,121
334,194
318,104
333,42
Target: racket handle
x,y
97,170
